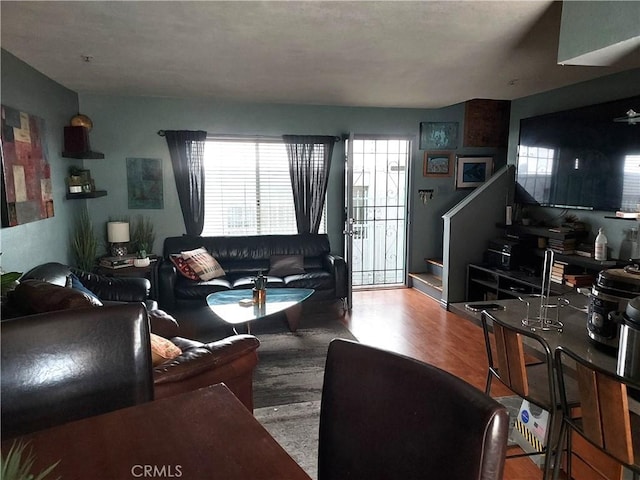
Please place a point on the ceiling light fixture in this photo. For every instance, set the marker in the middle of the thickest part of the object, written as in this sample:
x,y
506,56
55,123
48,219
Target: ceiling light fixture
x,y
87,58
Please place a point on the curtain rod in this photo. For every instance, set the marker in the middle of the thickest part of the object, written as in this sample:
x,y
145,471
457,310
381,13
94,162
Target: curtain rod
x,y
237,137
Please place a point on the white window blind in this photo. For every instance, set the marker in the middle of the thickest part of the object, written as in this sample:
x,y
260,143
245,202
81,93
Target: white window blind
x,y
247,188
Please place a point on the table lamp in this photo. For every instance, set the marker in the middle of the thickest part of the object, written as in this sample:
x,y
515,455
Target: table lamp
x,y
118,237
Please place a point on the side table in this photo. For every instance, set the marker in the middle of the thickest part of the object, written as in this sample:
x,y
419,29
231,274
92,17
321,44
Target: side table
x,y
149,272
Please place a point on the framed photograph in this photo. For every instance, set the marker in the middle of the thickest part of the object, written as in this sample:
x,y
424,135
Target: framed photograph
x,y
438,164
144,183
438,135
473,171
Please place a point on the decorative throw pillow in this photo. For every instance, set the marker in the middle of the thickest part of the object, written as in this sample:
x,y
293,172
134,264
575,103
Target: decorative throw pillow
x,y
162,350
203,264
183,267
283,265
36,296
77,285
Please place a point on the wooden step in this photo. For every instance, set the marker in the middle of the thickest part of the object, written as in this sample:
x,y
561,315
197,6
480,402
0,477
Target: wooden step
x,y
434,281
434,266
434,261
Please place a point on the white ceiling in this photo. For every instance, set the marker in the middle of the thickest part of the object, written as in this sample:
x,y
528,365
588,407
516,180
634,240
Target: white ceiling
x,y
425,54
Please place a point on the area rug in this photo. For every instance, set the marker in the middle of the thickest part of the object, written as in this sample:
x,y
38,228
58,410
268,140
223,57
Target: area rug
x,y
291,365
295,427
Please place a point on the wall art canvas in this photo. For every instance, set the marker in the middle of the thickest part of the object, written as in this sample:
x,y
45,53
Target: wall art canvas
x,y
144,183
26,174
438,135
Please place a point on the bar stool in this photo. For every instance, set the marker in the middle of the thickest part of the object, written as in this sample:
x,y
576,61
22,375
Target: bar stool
x,y
535,382
604,419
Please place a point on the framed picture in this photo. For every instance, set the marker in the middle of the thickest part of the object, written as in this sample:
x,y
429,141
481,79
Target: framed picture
x,y
144,183
473,171
438,135
438,164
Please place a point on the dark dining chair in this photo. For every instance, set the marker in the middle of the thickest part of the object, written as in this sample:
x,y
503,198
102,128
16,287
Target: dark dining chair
x,y
386,416
534,381
603,420
70,364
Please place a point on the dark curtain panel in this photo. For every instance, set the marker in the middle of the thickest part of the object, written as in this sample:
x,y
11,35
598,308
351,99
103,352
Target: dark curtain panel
x,y
187,158
309,163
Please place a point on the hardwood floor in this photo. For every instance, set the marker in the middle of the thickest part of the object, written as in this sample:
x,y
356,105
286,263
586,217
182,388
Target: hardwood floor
x,y
408,322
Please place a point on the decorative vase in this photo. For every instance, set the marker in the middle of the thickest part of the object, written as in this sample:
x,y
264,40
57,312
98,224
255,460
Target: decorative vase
x,y
260,289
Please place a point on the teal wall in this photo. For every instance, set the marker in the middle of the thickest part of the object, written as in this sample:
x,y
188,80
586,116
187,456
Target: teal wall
x,y
127,127
583,32
23,88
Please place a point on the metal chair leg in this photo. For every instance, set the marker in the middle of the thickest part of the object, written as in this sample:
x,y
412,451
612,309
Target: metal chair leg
x,y
487,388
562,438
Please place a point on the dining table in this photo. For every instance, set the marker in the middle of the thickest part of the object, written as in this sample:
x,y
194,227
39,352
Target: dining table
x,y
570,310
203,434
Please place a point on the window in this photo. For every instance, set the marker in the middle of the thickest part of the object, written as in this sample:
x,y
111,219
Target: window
x,y
248,188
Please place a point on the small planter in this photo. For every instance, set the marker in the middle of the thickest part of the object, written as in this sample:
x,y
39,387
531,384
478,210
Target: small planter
x,y
141,262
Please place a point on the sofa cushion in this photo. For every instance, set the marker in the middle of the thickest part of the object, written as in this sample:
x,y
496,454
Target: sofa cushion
x,y
203,264
163,324
162,350
318,280
36,296
188,289
183,267
283,265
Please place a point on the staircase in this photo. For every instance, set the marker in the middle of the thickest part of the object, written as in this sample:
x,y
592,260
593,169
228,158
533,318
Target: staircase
x,y
429,282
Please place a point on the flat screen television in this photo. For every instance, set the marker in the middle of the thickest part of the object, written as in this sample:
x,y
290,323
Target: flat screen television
x,y
585,158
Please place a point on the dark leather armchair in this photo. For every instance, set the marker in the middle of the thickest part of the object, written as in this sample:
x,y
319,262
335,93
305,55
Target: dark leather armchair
x,y
62,366
231,360
388,416
107,289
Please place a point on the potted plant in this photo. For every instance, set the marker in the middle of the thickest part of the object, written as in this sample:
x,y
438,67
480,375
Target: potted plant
x,y
143,236
143,259
84,243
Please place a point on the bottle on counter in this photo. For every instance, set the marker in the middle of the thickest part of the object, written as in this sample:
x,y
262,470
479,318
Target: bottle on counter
x,y
600,252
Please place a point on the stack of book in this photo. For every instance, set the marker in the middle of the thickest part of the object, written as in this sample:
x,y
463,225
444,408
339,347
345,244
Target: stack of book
x,y
584,250
579,280
560,270
117,262
566,246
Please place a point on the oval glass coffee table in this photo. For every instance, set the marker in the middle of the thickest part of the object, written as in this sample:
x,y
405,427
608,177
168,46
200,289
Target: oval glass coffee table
x,y
226,305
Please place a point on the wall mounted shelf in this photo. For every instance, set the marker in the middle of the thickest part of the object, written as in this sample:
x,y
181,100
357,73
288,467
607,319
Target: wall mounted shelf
x,y
90,155
94,194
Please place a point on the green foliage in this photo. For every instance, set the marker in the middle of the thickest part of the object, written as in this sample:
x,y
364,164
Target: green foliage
x,y
84,244
9,280
74,170
18,463
143,235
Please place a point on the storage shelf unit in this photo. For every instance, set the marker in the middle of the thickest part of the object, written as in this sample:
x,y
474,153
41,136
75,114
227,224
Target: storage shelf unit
x,y
90,155
584,262
485,283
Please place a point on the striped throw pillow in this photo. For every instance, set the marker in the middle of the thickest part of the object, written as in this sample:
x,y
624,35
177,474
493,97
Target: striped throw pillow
x,y
203,264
